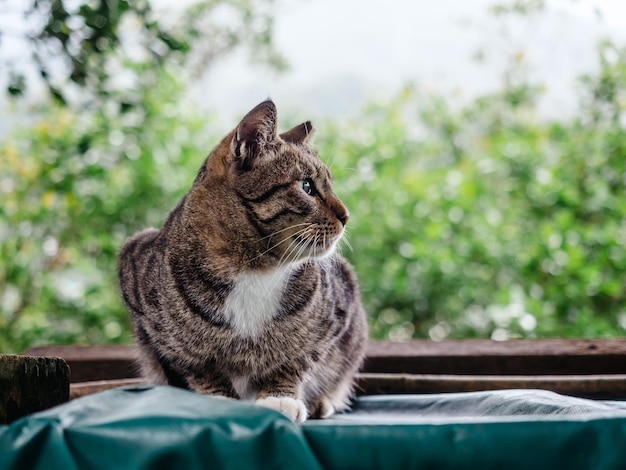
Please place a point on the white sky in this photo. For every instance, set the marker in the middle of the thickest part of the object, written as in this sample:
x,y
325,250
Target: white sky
x,y
343,53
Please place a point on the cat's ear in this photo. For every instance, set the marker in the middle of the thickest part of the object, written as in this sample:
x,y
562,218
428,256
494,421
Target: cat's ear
x,y
299,134
255,131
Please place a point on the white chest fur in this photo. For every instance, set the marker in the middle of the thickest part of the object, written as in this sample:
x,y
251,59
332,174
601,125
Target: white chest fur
x,y
254,300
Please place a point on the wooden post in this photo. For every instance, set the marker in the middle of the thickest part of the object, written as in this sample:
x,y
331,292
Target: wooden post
x,y
30,384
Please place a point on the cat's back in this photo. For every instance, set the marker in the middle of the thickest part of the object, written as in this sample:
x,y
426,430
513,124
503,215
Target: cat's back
x,y
138,267
137,246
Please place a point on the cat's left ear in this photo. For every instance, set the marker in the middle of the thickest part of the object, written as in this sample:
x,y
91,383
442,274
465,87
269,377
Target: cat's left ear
x,y
299,134
255,131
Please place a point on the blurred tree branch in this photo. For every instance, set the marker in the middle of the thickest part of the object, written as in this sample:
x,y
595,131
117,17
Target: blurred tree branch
x,y
89,49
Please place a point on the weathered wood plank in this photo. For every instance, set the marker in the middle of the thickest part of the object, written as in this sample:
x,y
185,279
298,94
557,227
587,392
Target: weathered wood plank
x,y
586,386
30,384
485,357
585,368
82,389
90,363
456,347
464,357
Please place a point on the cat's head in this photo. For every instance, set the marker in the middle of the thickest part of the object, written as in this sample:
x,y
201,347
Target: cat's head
x,y
270,193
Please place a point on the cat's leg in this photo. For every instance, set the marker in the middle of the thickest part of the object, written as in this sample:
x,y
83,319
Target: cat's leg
x,y
339,399
329,389
281,392
293,408
212,383
323,408
335,401
150,367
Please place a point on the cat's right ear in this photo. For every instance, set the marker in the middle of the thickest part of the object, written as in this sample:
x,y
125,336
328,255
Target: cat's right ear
x,y
255,131
299,134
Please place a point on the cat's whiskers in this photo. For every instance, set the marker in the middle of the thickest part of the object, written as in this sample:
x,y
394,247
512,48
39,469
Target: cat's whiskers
x,y
281,242
347,168
298,254
333,157
323,245
269,240
282,230
304,242
345,240
314,245
305,245
331,160
295,248
296,240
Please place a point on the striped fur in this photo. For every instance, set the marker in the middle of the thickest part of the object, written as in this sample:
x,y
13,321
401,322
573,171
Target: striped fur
x,y
240,293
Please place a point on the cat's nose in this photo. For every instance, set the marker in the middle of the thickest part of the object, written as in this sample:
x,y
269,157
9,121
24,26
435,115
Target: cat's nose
x,y
340,211
343,216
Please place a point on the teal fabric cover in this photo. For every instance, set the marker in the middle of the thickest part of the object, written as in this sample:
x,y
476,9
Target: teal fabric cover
x,y
164,427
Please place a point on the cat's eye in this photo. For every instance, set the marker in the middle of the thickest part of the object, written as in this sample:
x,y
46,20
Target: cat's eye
x,y
308,186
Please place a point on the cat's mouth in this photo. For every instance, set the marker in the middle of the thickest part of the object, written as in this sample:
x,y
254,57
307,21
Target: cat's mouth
x,y
312,242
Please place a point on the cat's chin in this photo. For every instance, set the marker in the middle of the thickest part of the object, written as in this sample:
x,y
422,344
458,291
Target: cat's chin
x,y
323,251
317,252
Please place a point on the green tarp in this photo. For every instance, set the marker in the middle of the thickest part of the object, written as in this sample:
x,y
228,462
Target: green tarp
x,y
163,427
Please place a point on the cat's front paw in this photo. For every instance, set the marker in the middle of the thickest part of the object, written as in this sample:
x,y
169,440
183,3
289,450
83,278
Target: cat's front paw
x,y
326,408
293,408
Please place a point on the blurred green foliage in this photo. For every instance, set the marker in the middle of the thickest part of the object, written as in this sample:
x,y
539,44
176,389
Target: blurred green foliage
x,y
84,50
109,153
73,189
482,220
488,221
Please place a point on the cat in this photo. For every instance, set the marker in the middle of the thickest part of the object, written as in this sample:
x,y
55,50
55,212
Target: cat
x,y
241,294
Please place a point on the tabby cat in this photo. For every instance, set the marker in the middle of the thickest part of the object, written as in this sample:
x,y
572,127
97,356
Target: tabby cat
x,y
240,294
